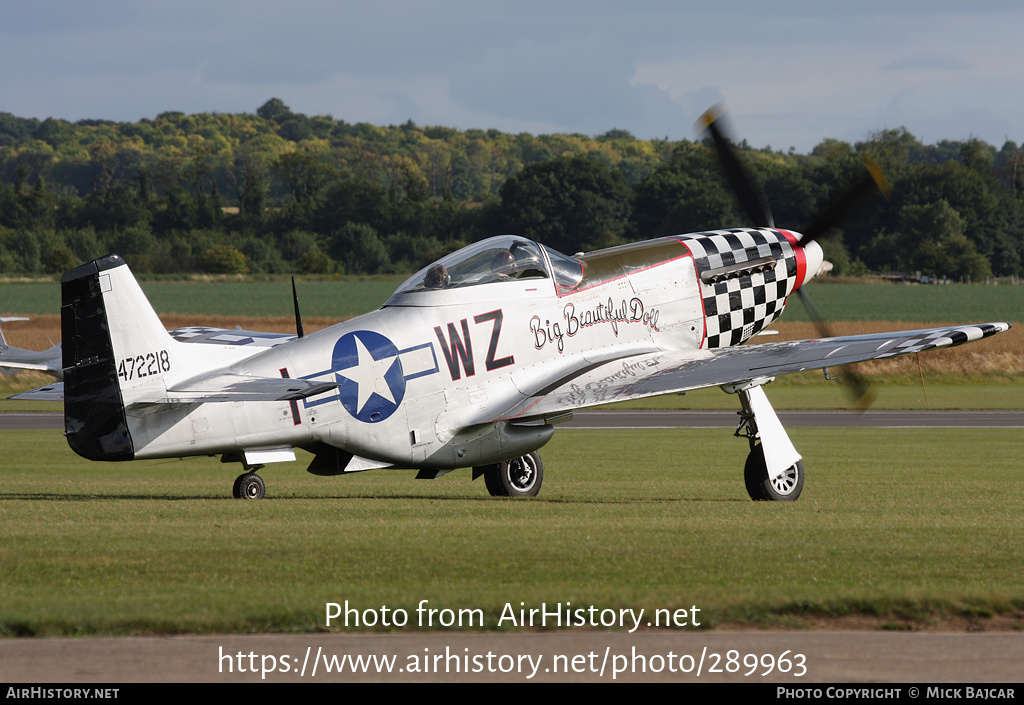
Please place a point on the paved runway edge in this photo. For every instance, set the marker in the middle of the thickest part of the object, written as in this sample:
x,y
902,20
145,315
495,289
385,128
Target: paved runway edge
x,y
650,656
816,418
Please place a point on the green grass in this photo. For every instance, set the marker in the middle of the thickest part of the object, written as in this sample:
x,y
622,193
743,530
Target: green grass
x,y
924,524
965,303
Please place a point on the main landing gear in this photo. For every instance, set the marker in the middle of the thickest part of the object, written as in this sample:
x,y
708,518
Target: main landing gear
x,y
249,485
774,471
784,487
519,477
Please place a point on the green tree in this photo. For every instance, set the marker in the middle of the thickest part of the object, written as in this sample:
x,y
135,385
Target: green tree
x,y
570,204
274,110
931,239
683,196
224,259
315,262
358,246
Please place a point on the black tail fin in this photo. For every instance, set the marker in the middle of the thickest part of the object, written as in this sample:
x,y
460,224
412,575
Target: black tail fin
x,y
94,417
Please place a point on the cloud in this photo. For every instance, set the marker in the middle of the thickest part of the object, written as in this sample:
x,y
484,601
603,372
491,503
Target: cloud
x,y
791,72
928,61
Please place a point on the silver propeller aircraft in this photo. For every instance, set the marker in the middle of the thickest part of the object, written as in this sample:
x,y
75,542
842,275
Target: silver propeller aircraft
x,y
13,360
470,363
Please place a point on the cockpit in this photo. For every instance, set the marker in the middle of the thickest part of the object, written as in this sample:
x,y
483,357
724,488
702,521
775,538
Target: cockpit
x,y
500,261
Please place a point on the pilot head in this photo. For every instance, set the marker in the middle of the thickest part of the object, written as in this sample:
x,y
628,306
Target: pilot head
x,y
503,264
436,278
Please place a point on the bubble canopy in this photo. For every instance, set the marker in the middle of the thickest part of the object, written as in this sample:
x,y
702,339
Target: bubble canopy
x,y
497,260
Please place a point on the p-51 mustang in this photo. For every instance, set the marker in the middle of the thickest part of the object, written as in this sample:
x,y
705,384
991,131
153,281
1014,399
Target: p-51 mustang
x,y
468,365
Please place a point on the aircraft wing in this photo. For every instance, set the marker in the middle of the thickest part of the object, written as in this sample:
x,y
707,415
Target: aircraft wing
x,y
8,366
13,360
663,373
222,387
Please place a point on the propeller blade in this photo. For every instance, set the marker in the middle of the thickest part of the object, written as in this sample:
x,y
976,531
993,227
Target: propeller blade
x,y
861,393
749,192
839,210
754,202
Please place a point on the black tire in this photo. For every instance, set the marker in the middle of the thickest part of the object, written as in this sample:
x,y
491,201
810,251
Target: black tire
x,y
249,486
785,488
519,477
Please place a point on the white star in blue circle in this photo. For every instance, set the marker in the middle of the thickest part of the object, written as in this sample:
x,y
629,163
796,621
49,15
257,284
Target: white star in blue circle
x,y
369,373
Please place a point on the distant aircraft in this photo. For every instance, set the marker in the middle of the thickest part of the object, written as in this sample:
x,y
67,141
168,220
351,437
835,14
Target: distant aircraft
x,y
473,359
13,360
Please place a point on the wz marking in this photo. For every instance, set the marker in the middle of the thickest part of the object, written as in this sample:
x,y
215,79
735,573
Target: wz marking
x,y
144,365
458,350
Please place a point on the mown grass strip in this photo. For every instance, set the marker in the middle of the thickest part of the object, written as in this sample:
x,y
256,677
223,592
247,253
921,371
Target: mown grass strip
x,y
916,524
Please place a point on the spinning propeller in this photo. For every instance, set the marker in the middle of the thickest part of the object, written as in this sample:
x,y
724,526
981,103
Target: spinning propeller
x,y
755,204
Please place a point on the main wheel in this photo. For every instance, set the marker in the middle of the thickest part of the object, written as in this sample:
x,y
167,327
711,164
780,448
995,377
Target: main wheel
x,y
249,486
784,488
519,477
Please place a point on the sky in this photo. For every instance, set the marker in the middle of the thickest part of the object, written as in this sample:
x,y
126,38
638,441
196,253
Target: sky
x,y
789,73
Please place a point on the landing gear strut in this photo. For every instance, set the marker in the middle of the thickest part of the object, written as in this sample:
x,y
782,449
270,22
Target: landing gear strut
x,y
774,471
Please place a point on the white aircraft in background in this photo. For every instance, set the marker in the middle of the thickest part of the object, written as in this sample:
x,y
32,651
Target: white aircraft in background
x,y
471,362
13,360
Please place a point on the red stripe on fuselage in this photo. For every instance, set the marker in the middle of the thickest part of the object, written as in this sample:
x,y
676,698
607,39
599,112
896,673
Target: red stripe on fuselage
x,y
700,292
294,405
801,258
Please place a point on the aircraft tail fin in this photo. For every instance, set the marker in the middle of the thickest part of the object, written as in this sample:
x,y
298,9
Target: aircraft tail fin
x,y
115,351
3,341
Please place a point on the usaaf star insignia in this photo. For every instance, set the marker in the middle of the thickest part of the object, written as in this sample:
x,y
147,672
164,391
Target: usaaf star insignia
x,y
369,372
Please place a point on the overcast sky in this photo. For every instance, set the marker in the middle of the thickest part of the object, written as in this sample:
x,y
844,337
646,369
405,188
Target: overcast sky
x,y
789,73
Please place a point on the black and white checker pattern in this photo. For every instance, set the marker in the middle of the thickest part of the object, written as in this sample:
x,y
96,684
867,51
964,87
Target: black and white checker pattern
x,y
738,307
943,338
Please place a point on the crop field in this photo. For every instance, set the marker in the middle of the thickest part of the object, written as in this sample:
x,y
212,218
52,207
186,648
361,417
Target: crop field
x,y
159,547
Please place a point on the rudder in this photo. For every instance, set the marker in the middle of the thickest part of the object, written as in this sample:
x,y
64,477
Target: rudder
x,y
102,309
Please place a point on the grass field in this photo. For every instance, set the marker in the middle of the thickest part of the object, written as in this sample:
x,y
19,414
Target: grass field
x,y
159,547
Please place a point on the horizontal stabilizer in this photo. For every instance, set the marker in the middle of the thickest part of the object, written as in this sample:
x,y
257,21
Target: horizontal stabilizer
x,y
227,387
51,392
11,367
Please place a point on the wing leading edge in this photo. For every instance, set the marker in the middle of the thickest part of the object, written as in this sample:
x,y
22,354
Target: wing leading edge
x,y
663,373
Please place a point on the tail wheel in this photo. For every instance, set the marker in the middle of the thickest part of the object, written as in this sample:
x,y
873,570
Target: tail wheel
x,y
249,486
519,477
784,488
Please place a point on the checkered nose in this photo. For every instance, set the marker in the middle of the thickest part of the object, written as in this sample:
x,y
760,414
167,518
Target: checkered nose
x,y
814,258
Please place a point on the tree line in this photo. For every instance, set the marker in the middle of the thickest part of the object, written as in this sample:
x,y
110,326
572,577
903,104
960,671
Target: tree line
x,y
278,191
